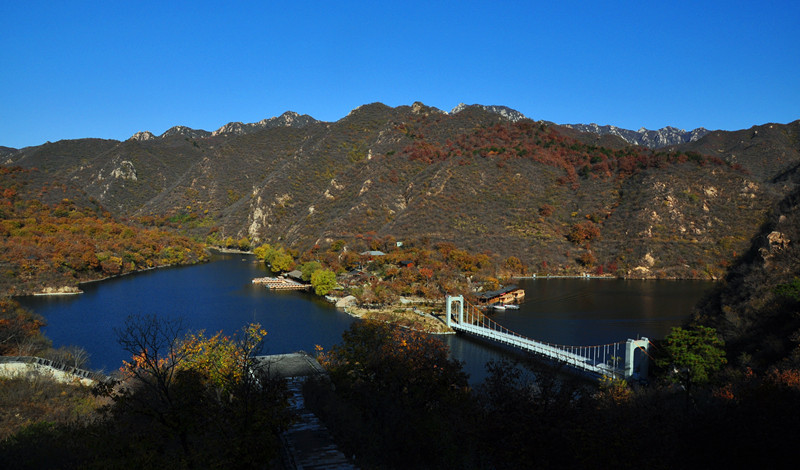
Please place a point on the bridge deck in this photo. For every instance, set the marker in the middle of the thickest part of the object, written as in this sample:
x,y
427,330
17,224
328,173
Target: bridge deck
x,y
593,365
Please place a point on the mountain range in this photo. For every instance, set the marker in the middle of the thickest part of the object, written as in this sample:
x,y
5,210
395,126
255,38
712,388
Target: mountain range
x,y
486,178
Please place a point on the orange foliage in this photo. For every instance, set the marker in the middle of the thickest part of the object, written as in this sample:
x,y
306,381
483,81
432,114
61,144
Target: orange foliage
x,y
789,378
63,244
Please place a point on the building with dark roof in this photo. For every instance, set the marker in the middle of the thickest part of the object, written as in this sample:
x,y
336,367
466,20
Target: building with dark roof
x,y
506,295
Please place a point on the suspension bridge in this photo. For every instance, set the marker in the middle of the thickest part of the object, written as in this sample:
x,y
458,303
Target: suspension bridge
x,y
614,360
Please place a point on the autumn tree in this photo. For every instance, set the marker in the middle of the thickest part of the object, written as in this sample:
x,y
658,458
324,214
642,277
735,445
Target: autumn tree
x,y
515,265
277,257
200,400
398,390
583,231
20,330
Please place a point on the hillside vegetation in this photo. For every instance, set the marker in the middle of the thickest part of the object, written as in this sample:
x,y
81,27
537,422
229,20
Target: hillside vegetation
x,y
561,201
757,306
53,236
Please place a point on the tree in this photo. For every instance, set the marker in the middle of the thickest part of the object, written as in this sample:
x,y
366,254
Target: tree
x,y
789,290
397,389
583,231
514,264
20,330
693,355
309,268
201,401
73,356
323,281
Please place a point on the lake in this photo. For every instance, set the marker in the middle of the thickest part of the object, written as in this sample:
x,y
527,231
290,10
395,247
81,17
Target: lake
x,y
219,296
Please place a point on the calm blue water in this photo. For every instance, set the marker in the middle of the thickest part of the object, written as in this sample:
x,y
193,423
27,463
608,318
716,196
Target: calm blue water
x,y
219,296
216,296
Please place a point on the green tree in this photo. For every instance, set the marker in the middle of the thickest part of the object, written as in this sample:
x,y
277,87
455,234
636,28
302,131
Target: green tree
x,y
281,261
323,281
693,355
309,268
789,290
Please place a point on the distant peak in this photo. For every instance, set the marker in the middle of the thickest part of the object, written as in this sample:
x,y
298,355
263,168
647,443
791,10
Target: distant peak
x,y
142,136
287,119
184,131
230,128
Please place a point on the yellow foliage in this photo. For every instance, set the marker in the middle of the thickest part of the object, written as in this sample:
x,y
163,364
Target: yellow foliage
x,y
223,360
614,390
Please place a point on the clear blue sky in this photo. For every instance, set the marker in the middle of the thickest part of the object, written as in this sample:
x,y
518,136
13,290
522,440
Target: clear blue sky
x,y
71,69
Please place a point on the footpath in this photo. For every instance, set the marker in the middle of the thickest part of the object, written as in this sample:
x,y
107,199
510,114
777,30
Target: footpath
x,y
307,444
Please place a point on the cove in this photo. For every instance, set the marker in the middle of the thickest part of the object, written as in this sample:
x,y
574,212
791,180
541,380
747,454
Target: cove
x,y
219,296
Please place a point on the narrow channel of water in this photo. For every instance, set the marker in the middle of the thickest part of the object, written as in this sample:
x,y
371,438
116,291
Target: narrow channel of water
x,y
219,296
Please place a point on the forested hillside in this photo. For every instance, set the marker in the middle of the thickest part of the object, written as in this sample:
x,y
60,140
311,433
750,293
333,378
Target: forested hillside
x,y
559,200
53,236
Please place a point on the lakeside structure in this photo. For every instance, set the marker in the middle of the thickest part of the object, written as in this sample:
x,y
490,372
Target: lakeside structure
x,y
508,295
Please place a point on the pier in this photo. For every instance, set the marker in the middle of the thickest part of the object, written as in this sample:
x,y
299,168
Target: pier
x,y
280,283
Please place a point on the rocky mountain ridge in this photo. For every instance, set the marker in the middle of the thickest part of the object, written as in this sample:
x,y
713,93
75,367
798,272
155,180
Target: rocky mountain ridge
x,y
663,137
511,114
666,136
287,119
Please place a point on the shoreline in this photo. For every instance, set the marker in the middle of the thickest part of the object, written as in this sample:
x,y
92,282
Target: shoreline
x,y
609,277
399,314
76,290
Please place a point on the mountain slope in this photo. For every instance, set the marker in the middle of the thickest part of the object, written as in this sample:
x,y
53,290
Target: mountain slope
x,y
756,307
765,151
560,200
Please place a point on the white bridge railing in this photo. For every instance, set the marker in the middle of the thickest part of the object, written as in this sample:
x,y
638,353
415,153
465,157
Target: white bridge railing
x,y
614,359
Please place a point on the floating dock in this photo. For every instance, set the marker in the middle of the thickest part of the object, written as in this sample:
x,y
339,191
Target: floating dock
x,y
280,283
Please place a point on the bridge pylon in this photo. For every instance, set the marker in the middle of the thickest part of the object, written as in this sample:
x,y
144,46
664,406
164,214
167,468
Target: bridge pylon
x,y
458,299
630,348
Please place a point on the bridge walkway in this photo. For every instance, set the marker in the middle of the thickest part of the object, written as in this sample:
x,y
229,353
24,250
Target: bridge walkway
x,y
613,359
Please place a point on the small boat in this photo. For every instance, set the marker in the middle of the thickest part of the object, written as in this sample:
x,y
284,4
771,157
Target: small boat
x,y
499,307
512,307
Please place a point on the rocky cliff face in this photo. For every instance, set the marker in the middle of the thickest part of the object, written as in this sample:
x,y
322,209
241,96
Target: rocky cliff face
x,y
755,308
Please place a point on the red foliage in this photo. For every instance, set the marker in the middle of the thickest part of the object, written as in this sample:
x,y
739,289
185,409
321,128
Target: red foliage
x,y
537,142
